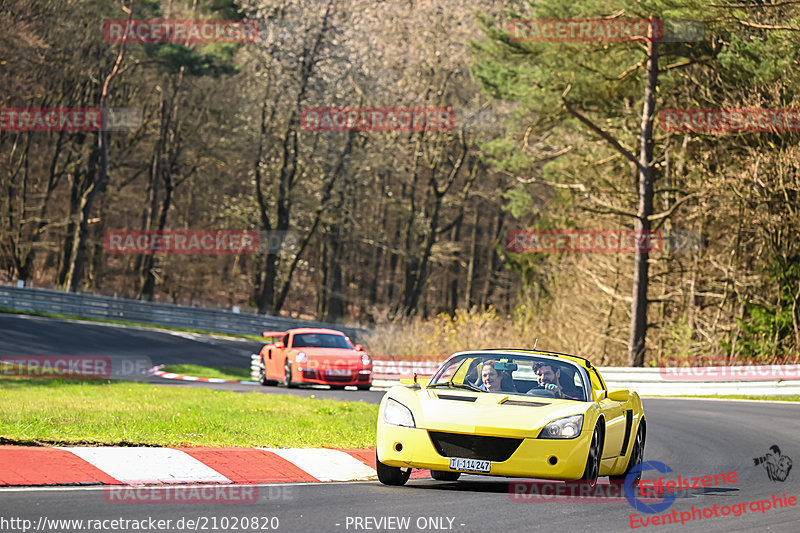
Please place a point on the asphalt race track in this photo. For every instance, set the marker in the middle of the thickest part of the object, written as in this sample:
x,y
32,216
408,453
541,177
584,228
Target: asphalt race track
x,y
29,335
693,437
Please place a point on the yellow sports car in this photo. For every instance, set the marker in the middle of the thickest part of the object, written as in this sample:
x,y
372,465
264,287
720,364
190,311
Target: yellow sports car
x,y
516,413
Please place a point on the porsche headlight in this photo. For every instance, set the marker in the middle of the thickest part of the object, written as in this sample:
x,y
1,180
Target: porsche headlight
x,y
398,414
301,357
365,360
563,428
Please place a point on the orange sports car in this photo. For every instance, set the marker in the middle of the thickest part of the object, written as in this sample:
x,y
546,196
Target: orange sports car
x,y
314,356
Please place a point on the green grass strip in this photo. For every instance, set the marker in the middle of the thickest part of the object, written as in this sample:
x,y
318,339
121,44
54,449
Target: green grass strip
x,y
137,414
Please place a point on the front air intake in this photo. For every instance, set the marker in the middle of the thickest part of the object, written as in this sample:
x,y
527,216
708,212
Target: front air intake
x,y
496,449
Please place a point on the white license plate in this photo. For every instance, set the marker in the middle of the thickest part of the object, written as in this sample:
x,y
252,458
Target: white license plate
x,y
338,372
470,465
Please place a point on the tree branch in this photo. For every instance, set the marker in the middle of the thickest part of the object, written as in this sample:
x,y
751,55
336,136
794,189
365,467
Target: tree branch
x,y
668,212
591,125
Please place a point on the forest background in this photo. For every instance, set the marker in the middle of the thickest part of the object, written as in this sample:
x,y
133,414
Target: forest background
x,y
407,232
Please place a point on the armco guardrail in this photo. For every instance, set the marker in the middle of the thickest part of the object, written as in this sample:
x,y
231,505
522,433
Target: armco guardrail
x,y
755,380
760,380
85,305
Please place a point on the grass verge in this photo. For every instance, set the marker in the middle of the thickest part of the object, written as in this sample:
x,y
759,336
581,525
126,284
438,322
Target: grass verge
x,y
8,310
221,372
137,414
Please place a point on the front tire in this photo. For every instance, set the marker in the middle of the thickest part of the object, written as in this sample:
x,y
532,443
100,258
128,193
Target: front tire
x,y
592,469
445,475
364,387
637,458
391,475
287,376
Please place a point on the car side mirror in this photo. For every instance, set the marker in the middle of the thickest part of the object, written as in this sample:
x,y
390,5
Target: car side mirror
x,y
599,394
359,348
619,395
279,344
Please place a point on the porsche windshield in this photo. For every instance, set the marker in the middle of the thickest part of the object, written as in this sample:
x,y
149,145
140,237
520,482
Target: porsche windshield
x,y
516,374
321,340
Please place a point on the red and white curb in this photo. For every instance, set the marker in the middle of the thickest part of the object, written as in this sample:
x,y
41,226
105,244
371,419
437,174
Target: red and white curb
x,y
33,466
156,371
383,378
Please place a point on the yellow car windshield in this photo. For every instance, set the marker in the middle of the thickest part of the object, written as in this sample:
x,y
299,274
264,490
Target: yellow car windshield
x,y
530,375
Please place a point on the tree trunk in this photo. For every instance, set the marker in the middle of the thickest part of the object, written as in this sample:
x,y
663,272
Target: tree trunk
x,y
455,267
473,255
636,346
78,246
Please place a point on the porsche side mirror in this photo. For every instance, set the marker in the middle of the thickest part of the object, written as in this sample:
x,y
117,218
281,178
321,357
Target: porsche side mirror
x,y
279,344
619,395
359,348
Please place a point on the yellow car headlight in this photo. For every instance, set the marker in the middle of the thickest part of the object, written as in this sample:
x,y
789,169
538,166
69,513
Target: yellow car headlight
x,y
398,414
563,428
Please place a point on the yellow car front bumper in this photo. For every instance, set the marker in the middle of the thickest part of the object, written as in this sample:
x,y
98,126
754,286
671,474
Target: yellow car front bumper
x,y
563,459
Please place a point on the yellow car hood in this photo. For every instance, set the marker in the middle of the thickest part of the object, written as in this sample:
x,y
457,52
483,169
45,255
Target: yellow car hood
x,y
502,415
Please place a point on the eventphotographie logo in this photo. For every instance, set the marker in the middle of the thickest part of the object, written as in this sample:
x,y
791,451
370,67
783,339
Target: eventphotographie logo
x,y
647,505
776,464
180,31
694,514
378,119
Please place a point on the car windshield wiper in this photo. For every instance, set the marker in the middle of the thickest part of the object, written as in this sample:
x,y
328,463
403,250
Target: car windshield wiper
x,y
467,386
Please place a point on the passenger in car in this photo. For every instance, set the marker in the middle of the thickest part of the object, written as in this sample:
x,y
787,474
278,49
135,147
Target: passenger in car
x,y
550,379
493,380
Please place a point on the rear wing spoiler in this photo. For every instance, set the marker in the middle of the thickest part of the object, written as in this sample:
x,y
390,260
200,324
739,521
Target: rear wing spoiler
x,y
273,334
